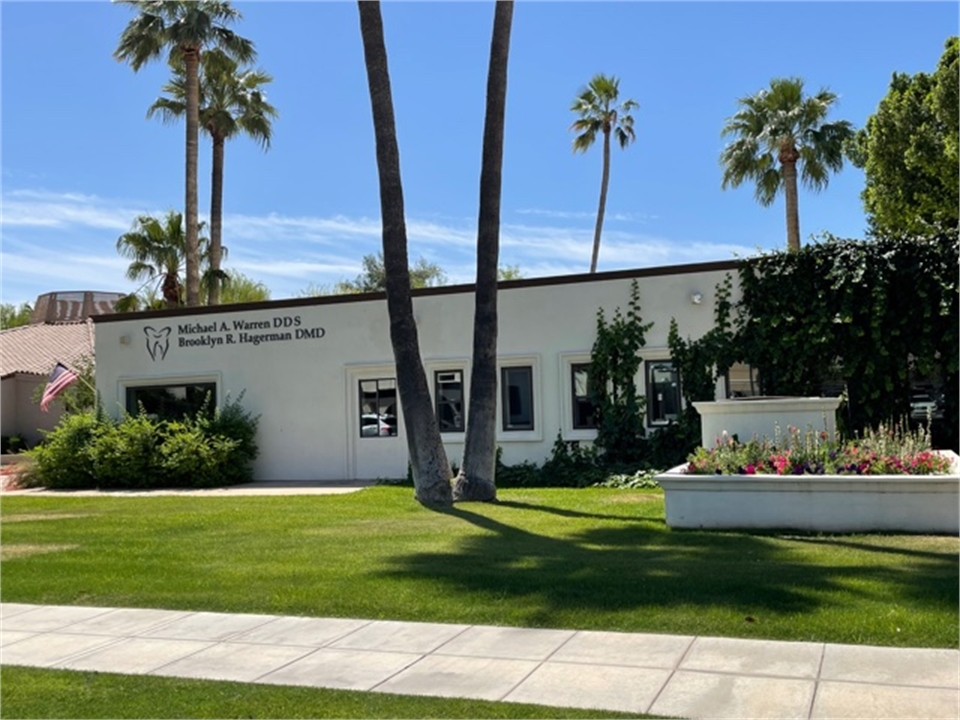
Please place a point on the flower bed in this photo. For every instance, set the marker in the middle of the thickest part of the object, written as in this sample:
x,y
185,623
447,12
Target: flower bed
x,y
884,452
888,481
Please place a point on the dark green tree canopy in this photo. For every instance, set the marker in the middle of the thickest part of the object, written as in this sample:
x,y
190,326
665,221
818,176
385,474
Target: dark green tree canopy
x,y
909,151
871,316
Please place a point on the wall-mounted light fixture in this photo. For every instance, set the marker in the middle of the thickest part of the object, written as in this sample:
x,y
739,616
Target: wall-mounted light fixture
x,y
696,298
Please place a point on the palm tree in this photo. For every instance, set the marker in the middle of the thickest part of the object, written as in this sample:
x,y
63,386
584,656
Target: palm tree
x,y
157,249
775,130
184,28
599,113
428,459
476,480
231,102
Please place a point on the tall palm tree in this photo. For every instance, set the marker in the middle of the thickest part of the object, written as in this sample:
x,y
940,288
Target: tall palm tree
x,y
476,480
775,130
231,102
428,459
157,249
599,113
185,29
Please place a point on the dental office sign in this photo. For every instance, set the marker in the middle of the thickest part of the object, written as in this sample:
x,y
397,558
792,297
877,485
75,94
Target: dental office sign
x,y
219,334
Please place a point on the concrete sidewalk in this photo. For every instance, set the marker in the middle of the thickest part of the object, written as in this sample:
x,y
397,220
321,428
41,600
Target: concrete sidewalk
x,y
277,487
685,676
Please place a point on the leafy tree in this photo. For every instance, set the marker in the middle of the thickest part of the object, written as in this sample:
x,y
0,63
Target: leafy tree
x,y
157,249
12,316
908,152
374,276
185,29
775,131
231,102
598,112
509,272
428,459
238,288
476,479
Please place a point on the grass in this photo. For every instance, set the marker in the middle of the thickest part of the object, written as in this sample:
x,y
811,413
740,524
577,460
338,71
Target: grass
x,y
32,693
582,559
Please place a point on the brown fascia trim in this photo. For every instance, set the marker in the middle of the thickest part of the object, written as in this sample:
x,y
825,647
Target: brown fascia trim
x,y
717,266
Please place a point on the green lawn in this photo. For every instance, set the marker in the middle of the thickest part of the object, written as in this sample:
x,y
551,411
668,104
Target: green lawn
x,y
32,693
586,559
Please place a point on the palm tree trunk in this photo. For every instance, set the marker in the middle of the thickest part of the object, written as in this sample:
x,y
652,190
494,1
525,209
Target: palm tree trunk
x,y
476,480
603,200
428,459
216,220
191,63
789,170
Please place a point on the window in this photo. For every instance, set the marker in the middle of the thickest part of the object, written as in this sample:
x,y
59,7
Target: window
x,y
663,392
742,381
516,386
584,415
172,402
448,391
378,408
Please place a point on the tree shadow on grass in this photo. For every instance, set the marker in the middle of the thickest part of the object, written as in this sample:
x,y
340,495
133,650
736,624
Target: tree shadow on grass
x,y
567,513
609,567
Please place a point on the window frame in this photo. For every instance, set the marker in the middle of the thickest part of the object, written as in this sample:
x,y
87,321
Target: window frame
x,y
504,399
575,398
754,376
130,391
649,391
460,426
360,397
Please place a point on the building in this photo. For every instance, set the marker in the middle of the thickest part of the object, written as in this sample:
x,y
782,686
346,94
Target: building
x,y
320,373
59,331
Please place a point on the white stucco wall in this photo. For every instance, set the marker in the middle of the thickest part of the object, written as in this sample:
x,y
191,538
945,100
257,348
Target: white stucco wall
x,y
305,389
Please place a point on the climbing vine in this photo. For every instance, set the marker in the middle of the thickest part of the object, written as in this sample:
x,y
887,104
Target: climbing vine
x,y
614,364
874,314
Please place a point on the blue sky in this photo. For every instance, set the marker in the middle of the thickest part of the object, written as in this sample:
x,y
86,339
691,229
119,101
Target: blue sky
x,y
80,161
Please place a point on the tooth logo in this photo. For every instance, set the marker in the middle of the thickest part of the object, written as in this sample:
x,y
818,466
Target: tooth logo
x,y
158,342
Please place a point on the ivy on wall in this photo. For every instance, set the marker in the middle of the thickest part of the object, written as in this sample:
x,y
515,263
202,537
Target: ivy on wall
x,y
614,363
874,315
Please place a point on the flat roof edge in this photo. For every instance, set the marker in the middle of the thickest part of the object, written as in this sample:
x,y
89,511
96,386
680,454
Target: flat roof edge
x,y
714,266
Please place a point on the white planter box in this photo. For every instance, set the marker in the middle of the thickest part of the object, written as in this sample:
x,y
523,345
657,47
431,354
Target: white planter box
x,y
823,503
747,417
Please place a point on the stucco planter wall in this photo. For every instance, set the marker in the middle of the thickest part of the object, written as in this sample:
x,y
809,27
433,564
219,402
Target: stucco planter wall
x,y
746,417
823,503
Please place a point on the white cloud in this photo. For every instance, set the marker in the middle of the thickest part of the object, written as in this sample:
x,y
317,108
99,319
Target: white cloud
x,y
292,251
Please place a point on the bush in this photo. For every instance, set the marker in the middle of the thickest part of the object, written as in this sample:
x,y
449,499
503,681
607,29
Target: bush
x,y
64,460
191,458
89,450
125,454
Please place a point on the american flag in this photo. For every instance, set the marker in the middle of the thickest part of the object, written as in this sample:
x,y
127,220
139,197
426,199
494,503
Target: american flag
x,y
61,378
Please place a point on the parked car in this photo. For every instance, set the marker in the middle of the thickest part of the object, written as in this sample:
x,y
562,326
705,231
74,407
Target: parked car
x,y
921,405
372,425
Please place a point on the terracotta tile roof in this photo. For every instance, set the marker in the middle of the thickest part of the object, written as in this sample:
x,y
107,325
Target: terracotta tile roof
x,y
35,349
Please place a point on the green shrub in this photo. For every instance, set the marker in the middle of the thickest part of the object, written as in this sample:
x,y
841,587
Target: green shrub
x,y
571,465
124,454
189,457
63,460
233,422
88,450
